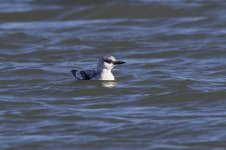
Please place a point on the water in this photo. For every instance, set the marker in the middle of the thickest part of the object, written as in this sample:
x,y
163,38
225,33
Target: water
x,y
170,94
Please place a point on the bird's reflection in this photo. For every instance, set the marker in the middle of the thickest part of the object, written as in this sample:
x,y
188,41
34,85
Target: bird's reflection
x,y
108,84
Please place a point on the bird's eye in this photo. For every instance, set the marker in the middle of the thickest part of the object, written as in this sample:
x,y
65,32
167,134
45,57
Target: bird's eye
x,y
107,61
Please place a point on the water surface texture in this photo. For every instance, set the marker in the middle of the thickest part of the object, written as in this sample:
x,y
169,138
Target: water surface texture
x,y
170,94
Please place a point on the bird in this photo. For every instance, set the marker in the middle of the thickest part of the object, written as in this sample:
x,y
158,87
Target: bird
x,y
102,72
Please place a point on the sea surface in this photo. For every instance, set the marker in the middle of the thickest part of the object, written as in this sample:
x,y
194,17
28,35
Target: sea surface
x,y
170,94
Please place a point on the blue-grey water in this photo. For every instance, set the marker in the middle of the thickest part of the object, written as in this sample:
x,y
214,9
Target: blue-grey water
x,y
170,94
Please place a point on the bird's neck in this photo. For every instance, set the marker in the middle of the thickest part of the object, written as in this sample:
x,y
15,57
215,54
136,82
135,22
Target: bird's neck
x,y
103,70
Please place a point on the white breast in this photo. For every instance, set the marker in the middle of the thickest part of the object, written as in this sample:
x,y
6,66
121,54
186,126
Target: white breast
x,y
105,75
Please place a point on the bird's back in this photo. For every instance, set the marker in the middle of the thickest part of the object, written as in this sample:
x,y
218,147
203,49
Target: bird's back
x,y
83,74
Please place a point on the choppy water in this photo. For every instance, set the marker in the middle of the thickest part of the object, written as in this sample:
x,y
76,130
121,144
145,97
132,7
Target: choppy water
x,y
169,95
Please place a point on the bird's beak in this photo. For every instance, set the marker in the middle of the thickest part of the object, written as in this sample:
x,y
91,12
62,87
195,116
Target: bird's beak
x,y
119,62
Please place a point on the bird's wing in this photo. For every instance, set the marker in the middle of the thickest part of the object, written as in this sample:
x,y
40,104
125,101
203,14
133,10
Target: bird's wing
x,y
83,74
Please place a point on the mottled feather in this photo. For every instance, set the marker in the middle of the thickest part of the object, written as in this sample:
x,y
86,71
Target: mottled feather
x,y
83,74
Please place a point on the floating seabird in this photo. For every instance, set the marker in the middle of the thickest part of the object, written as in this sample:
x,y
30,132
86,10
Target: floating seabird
x,y
103,71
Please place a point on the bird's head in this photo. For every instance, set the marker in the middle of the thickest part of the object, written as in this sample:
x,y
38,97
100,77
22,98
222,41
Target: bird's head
x,y
108,62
